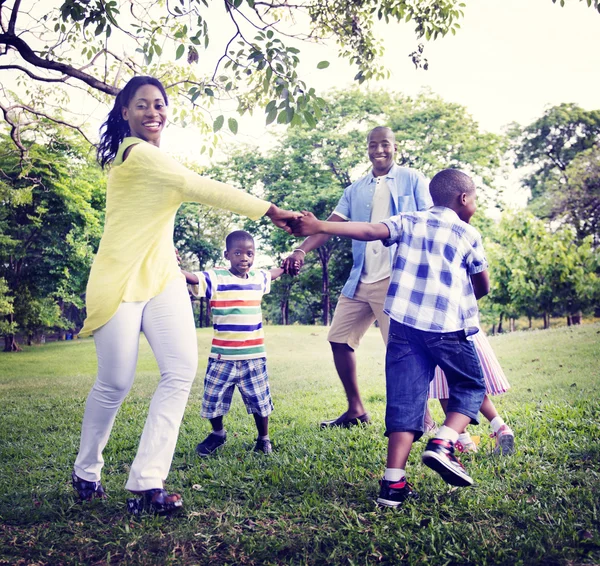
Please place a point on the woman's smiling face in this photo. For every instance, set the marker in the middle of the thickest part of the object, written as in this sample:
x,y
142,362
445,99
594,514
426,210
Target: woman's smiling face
x,y
146,114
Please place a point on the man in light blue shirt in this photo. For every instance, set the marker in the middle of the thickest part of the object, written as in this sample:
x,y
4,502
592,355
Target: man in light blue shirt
x,y
386,191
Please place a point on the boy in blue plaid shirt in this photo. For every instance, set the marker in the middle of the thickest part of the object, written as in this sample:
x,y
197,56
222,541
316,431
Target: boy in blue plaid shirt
x,y
439,272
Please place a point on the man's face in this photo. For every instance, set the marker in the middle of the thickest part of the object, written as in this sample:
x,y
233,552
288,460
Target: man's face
x,y
381,149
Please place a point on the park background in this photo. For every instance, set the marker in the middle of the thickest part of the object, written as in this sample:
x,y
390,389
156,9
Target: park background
x,y
510,96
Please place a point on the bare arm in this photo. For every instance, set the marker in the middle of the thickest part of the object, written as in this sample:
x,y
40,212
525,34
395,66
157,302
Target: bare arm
x,y
294,262
276,273
190,278
366,231
481,284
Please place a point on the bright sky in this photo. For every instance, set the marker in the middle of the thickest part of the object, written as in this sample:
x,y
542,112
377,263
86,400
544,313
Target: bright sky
x,y
510,61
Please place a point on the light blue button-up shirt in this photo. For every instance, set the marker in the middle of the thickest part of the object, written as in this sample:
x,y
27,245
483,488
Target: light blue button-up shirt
x,y
409,192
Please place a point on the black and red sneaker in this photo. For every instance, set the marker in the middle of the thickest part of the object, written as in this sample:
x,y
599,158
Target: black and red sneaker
x,y
439,456
394,493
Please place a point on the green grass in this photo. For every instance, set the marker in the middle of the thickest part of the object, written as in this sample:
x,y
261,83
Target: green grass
x,y
312,502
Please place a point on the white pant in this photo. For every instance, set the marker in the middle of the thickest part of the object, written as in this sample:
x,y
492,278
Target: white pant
x,y
168,324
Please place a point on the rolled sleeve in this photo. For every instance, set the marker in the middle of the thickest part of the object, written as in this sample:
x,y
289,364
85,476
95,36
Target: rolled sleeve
x,y
394,225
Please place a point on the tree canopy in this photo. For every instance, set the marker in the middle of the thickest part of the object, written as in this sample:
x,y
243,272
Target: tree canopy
x,y
244,51
240,50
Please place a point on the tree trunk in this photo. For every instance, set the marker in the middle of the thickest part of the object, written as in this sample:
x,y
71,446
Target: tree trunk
x,y
284,307
512,324
10,344
530,321
546,321
576,318
500,323
207,314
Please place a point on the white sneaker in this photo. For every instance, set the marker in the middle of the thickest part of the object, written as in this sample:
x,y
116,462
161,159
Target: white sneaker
x,y
505,440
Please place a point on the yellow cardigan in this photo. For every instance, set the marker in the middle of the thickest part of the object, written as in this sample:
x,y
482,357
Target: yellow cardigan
x,y
136,259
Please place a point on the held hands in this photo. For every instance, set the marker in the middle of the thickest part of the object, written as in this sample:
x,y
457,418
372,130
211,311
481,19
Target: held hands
x,y
282,218
307,225
293,263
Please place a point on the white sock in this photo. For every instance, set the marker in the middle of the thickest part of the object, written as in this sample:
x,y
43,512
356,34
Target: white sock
x,y
263,437
465,438
219,432
496,423
446,433
394,474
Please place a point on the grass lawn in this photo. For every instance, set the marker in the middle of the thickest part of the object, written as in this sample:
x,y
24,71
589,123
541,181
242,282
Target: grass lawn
x,y
312,501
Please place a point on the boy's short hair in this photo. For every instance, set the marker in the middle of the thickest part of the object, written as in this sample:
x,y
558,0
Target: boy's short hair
x,y
237,236
381,128
449,184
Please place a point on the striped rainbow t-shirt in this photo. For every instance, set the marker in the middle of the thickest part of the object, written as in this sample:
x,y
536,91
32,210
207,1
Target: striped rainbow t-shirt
x,y
236,311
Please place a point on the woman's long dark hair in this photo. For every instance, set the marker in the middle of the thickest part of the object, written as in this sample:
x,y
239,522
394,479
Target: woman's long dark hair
x,y
116,129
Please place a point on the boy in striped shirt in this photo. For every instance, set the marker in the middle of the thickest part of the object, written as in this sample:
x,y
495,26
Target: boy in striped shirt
x,y
237,355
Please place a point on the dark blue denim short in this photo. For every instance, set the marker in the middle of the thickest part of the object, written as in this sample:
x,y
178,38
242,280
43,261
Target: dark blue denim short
x,y
409,367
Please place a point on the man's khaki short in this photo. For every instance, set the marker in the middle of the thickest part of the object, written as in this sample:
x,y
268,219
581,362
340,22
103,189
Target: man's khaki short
x,y
353,317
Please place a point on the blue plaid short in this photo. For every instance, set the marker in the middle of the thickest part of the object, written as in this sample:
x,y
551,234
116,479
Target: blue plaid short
x,y
251,378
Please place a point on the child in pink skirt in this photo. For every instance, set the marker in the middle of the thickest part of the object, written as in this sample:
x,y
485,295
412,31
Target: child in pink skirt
x,y
495,384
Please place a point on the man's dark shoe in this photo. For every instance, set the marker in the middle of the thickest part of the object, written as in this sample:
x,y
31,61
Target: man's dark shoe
x,y
210,444
439,456
263,446
394,493
344,422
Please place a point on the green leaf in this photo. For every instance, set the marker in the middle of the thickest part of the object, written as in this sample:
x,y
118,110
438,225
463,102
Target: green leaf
x,y
218,123
271,115
180,51
309,118
233,125
323,65
283,117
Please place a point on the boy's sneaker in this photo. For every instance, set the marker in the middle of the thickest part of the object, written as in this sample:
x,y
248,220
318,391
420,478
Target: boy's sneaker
x,y
210,444
263,446
505,440
394,493
439,456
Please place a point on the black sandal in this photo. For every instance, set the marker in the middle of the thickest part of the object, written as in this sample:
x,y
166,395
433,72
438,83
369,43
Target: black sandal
x,y
88,490
154,501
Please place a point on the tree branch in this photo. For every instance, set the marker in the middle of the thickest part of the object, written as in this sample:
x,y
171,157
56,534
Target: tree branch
x,y
13,17
31,57
14,130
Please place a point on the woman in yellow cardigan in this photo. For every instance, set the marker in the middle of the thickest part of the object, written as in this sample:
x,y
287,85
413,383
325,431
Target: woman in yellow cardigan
x,y
135,285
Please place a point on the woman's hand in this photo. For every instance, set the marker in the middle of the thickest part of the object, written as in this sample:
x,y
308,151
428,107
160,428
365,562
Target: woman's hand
x,y
281,218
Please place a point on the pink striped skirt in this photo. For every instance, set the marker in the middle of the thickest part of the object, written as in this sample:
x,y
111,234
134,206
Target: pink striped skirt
x,y
495,380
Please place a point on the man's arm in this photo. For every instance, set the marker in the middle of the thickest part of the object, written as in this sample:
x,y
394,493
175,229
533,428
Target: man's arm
x,y
294,262
366,231
481,284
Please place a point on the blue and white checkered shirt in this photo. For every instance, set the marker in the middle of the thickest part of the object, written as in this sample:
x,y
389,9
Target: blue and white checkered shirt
x,y
430,287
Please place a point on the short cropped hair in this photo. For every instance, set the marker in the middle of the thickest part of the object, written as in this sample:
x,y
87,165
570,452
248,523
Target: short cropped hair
x,y
449,184
237,236
379,129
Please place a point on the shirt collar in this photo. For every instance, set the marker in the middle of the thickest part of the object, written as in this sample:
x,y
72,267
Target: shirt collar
x,y
388,175
445,211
